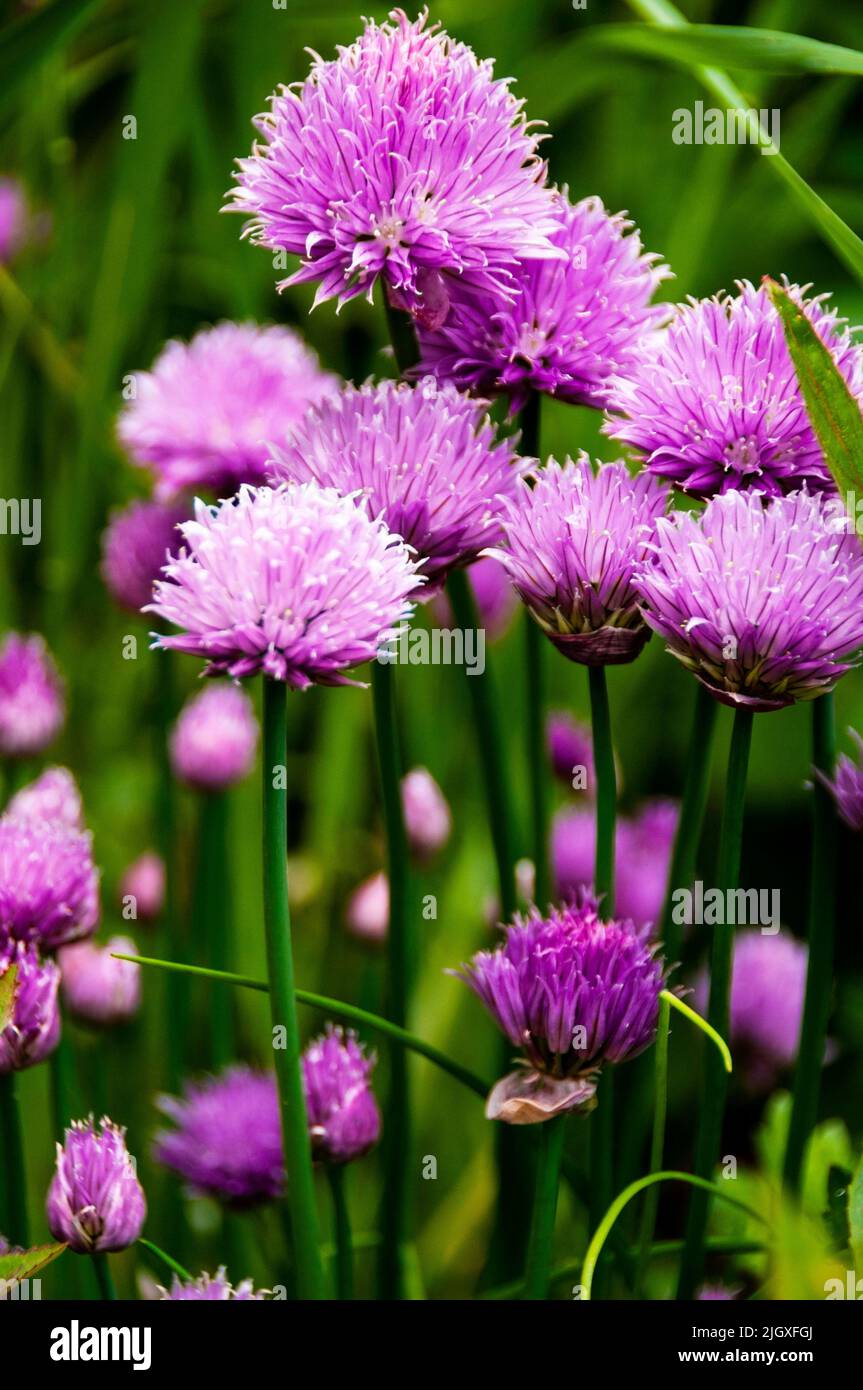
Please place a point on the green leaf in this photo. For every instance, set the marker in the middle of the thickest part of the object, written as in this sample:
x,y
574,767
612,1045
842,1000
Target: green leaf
x,y
31,39
765,50
7,996
836,1216
833,412
30,1262
855,1215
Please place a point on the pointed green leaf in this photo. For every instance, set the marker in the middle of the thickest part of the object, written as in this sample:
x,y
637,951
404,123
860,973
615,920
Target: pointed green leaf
x,y
7,996
30,1262
834,413
766,50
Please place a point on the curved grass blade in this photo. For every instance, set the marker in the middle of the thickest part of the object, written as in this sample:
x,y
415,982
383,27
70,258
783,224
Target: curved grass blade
x,y
341,1010
601,1233
734,46
722,1045
172,1264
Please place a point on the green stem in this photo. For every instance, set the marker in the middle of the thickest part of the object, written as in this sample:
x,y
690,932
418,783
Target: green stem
x,y
341,1010
534,662
402,336
605,1226
551,1136
492,749
606,788
105,1279
681,874
172,1264
602,1123
62,1069
13,1188
176,996
822,929
213,908
344,1244
400,947
280,964
715,1083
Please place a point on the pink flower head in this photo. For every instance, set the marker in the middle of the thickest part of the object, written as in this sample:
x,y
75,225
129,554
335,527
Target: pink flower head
x,y
54,796
216,1288
367,914
713,402
423,458
143,886
573,323
32,708
344,1120
294,582
33,1030
763,603
96,987
428,821
203,417
95,1201
135,545
573,542
847,785
49,886
643,845
402,159
214,740
570,751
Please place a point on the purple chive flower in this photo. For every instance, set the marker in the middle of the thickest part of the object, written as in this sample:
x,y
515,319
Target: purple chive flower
x,y
344,1120
32,708
95,1202
142,888
573,992
54,796
96,988
49,886
135,545
573,542
227,1140
423,458
294,582
215,1288
573,323
403,159
428,821
203,417
34,1028
494,596
570,750
214,740
13,219
643,845
763,603
768,983
713,403
846,787
367,915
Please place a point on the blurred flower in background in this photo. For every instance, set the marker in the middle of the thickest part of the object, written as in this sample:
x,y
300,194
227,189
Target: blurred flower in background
x,y
846,787
142,888
367,914
96,988
570,750
49,885
32,704
135,545
214,740
428,821
54,796
643,845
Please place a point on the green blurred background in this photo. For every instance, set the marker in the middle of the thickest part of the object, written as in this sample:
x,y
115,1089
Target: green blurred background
x,y
136,251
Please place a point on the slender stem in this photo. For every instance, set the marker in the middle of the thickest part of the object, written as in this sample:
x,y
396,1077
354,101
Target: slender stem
x,y
551,1136
212,910
280,964
63,1088
489,736
341,1010
715,1083
822,929
680,875
173,1265
342,1222
402,336
13,1189
400,947
534,665
657,1142
606,789
105,1279
176,994
602,1123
